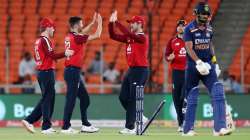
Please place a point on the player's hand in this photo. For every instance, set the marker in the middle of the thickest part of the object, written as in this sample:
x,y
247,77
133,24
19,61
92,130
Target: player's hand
x,y
115,15
202,68
94,18
111,19
208,65
217,70
68,52
99,19
171,57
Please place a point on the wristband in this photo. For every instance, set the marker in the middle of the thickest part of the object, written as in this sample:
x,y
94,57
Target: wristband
x,y
214,60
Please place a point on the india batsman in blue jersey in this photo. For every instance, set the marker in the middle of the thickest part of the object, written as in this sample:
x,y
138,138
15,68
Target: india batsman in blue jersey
x,y
201,65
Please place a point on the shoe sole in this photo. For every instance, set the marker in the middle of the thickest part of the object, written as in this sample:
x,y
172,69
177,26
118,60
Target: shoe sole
x,y
189,135
227,134
27,128
127,133
89,131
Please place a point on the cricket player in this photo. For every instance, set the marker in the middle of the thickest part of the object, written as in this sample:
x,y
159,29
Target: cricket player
x,y
176,54
136,53
45,64
202,65
76,41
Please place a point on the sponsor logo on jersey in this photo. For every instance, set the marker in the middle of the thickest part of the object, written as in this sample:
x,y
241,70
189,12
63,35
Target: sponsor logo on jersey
x,y
201,41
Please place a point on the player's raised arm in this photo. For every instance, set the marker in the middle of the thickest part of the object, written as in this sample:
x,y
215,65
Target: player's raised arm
x,y
139,38
98,32
113,35
88,28
137,35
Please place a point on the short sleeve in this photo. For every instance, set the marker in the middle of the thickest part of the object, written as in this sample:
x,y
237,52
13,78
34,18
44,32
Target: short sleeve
x,y
187,35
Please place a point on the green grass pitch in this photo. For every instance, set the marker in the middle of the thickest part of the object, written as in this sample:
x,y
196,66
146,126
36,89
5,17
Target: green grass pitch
x,y
154,133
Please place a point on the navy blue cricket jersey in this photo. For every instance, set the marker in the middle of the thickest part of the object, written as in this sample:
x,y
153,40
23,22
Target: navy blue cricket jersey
x,y
201,41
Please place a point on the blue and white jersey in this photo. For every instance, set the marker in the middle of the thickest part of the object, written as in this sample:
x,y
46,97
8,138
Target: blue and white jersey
x,y
201,41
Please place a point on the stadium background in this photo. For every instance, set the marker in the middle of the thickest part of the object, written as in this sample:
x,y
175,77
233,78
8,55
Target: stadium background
x,y
19,29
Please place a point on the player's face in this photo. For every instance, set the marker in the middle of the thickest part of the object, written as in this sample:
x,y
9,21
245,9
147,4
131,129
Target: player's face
x,y
180,29
51,31
135,26
80,26
203,18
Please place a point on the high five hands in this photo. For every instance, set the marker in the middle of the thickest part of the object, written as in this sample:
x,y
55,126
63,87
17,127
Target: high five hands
x,y
113,17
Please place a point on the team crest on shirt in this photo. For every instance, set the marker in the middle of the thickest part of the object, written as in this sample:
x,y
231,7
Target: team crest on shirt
x,y
182,52
197,34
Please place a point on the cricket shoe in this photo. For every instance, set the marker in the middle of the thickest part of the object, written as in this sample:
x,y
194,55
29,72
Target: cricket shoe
x,y
49,131
69,131
180,129
127,131
28,126
190,133
222,132
89,129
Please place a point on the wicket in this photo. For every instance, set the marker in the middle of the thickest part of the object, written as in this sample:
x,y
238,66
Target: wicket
x,y
139,109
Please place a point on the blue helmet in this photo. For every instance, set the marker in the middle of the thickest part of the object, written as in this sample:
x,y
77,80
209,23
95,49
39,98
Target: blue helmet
x,y
202,8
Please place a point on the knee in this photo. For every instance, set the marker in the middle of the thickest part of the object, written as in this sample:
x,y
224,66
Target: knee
x,y
217,91
193,95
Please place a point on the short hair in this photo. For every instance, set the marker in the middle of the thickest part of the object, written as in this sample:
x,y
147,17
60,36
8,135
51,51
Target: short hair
x,y
74,20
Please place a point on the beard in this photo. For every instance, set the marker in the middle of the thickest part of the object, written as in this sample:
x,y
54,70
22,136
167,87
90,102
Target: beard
x,y
202,20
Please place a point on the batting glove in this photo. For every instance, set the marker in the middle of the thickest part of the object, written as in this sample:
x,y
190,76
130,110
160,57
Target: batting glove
x,y
202,68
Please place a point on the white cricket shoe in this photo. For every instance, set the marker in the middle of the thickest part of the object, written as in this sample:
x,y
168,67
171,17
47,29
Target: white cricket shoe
x,y
127,131
89,129
69,131
180,129
190,133
29,127
222,132
48,131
